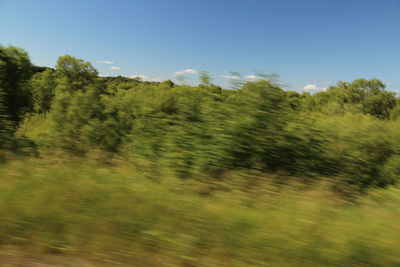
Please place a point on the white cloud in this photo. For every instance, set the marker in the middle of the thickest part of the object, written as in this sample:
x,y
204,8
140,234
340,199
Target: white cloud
x,y
313,87
105,62
146,78
143,77
252,77
187,71
115,68
230,77
310,87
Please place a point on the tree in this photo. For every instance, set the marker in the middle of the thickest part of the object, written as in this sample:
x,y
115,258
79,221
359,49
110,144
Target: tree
x,y
43,86
5,124
74,74
262,111
15,70
204,78
77,110
380,105
360,96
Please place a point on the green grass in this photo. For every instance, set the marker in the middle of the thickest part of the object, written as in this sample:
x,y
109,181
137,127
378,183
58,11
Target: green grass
x,y
127,215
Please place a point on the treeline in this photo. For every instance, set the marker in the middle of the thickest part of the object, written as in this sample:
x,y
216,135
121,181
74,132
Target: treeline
x,y
348,134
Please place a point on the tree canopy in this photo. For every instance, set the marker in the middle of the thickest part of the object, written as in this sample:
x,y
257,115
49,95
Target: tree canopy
x,y
349,132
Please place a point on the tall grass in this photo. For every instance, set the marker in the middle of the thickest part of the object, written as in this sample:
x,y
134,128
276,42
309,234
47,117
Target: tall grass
x,y
122,214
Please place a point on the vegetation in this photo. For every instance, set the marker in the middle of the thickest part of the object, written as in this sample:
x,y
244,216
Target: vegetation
x,y
196,175
119,214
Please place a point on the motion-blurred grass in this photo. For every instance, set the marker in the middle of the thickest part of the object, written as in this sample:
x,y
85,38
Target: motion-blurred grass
x,y
120,214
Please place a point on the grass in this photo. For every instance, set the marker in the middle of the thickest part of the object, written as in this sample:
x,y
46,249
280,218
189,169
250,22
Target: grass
x,y
125,214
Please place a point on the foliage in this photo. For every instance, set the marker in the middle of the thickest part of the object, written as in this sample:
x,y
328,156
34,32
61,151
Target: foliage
x,y
197,175
360,96
5,124
347,133
15,70
112,213
42,86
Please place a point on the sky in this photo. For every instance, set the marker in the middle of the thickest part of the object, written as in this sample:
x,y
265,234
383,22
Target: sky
x,y
310,44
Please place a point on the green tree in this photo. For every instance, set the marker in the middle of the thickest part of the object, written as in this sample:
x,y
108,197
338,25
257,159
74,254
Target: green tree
x,y
361,95
5,124
15,70
77,110
74,74
43,86
261,115
204,78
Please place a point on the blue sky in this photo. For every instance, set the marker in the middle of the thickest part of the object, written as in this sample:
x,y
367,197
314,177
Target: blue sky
x,y
309,43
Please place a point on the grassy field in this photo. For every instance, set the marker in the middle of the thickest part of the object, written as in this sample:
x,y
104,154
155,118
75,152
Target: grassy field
x,y
71,212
